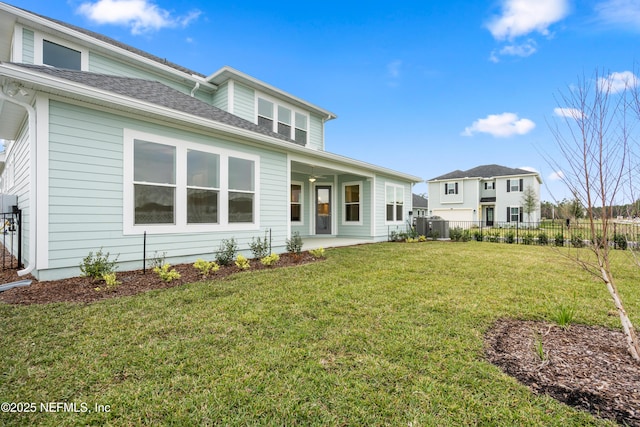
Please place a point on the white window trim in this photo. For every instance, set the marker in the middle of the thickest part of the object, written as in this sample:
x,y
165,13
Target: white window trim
x,y
344,203
395,220
276,103
38,41
181,225
301,203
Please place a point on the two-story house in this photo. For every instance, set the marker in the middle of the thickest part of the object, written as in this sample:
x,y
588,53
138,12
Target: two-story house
x,y
489,194
109,146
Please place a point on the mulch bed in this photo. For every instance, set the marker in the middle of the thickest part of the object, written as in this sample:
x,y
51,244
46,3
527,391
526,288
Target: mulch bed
x,y
586,367
83,289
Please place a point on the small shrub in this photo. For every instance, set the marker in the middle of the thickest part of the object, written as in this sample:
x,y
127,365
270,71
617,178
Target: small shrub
x,y
206,267
111,280
317,253
96,266
434,234
259,247
543,239
494,236
527,239
166,273
411,240
598,241
510,237
620,241
559,239
577,241
242,263
159,259
227,252
478,236
294,245
538,347
456,234
422,238
270,260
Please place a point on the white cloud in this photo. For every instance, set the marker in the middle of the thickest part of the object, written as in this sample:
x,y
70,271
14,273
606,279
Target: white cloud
x,y
573,113
141,15
524,49
522,17
500,125
618,82
619,12
556,176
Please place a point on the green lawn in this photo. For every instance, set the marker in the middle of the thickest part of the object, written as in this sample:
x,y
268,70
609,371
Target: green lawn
x,y
384,334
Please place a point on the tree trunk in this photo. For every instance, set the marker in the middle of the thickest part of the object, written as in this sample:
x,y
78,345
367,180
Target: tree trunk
x,y
629,331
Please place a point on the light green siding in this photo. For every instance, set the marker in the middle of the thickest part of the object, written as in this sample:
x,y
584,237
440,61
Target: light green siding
x,y
86,194
244,102
221,97
27,46
316,133
105,65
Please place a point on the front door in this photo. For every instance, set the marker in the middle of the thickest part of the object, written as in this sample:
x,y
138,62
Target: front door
x,y
490,216
323,210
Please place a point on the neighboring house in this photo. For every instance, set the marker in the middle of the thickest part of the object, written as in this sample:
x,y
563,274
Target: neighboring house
x,y
420,206
489,195
107,144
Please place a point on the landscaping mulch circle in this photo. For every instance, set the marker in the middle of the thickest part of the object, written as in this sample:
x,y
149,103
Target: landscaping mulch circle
x,y
586,367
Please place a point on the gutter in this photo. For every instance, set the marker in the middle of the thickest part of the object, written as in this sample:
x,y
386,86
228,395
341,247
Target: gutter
x,y
7,94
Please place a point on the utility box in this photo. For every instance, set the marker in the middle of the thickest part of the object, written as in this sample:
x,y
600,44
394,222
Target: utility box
x,y
7,202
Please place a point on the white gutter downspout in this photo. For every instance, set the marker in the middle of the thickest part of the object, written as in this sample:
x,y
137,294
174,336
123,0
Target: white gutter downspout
x,y
33,171
195,89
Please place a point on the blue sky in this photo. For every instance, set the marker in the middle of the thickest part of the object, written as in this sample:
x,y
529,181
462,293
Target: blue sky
x,y
423,87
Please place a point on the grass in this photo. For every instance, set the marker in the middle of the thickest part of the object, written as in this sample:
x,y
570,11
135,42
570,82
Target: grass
x,y
384,334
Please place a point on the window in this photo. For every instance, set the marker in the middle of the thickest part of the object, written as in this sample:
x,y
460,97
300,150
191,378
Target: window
x,y
514,214
241,188
352,205
203,187
296,203
301,129
265,113
514,185
490,185
395,203
283,120
154,186
451,188
60,56
177,186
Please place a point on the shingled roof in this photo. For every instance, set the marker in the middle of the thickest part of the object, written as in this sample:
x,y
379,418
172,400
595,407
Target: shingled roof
x,y
485,171
156,93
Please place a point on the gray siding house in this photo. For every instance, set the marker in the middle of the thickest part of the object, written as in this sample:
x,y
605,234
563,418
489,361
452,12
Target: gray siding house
x,y
106,143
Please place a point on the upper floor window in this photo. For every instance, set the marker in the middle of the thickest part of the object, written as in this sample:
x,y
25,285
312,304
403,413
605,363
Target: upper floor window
x,y
490,185
283,120
451,188
514,185
60,56
395,202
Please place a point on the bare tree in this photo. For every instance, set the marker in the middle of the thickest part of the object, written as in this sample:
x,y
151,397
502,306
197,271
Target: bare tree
x,y
594,144
530,202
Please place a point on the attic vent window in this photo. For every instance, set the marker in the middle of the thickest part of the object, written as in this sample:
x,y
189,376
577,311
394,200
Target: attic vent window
x,y
60,56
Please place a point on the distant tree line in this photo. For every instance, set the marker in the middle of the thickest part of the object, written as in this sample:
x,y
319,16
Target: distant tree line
x,y
573,209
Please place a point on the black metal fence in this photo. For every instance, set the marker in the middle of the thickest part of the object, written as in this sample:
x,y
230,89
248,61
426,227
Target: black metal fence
x,y
621,233
11,229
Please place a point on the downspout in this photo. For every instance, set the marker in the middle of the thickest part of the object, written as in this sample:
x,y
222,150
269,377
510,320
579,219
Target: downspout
x,y
7,94
195,89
